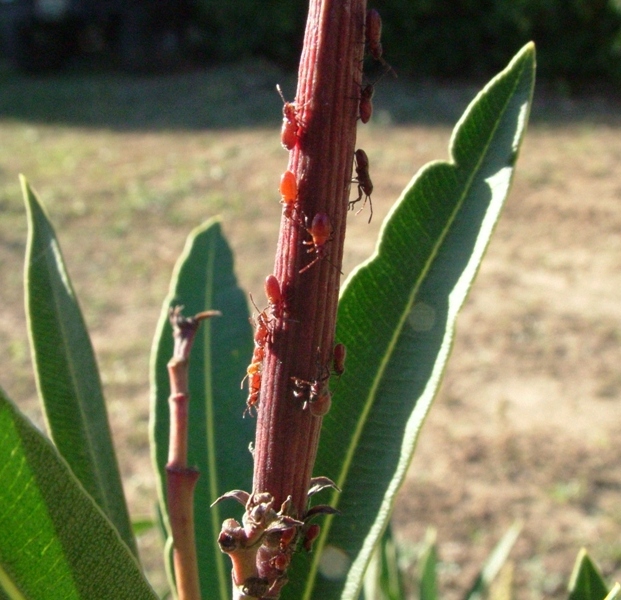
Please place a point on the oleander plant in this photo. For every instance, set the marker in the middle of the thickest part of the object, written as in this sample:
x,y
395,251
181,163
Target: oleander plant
x,y
283,489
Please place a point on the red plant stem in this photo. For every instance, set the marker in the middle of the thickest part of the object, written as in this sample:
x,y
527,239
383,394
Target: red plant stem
x,y
302,340
181,479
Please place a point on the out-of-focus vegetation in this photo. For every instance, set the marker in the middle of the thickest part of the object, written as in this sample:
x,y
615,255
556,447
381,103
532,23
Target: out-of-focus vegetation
x,y
575,38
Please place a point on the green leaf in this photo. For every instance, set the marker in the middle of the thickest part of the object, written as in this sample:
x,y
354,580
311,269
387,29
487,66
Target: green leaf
x,y
56,542
219,437
66,371
586,583
614,592
397,317
495,561
383,578
428,586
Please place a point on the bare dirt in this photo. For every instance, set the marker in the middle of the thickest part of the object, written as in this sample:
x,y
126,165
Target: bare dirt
x,y
526,424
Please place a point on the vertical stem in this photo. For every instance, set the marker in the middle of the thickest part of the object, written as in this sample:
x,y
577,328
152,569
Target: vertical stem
x,y
302,339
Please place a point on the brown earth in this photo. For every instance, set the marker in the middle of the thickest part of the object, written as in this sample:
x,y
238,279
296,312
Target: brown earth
x,y
528,414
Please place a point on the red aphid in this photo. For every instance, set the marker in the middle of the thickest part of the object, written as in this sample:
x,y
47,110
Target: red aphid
x,y
365,108
363,179
254,389
321,233
339,359
288,192
287,536
274,296
280,561
262,332
289,134
373,34
312,533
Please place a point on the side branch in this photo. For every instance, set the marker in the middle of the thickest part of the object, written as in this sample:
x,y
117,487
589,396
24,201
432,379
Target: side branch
x,y
181,479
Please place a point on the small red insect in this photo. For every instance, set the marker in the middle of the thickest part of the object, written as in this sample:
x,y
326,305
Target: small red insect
x,y
254,371
338,362
289,133
280,561
312,533
365,108
363,179
287,537
275,297
261,333
289,192
254,389
321,233
373,34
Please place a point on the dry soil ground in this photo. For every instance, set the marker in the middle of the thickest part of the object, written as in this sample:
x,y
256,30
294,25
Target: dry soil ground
x,y
526,424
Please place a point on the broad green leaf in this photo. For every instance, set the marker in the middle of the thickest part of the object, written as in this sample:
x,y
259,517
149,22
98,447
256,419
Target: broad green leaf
x,y
219,437
66,372
397,317
586,583
495,561
56,542
428,583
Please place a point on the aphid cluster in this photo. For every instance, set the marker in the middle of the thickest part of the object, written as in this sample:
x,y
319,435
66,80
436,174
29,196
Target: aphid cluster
x,y
263,335
255,368
314,393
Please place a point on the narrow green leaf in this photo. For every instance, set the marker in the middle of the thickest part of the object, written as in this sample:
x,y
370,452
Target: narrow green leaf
x,y
391,580
219,436
383,580
143,525
56,542
495,561
586,582
66,371
428,586
614,592
397,317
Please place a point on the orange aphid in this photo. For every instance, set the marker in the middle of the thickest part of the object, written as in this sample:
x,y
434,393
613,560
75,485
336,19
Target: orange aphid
x,y
321,233
289,192
289,134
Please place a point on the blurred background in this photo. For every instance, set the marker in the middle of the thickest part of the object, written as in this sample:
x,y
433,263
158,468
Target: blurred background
x,y
445,38
135,121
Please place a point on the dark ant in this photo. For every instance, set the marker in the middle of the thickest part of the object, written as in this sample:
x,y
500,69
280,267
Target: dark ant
x,y
363,179
318,398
